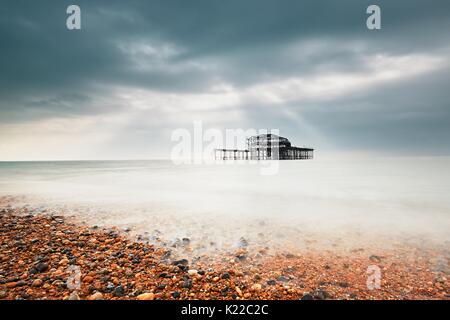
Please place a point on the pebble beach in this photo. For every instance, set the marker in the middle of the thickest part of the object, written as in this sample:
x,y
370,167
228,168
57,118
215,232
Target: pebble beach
x,y
47,256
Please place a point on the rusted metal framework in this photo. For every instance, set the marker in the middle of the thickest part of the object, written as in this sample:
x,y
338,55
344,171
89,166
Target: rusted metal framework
x,y
266,147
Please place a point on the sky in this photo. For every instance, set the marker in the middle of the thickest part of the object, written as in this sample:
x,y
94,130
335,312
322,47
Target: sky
x,y
138,70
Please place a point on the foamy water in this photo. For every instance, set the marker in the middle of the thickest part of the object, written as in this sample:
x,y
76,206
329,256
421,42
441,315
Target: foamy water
x,y
329,201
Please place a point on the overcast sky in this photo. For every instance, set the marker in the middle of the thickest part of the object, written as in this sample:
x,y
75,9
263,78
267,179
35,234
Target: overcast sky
x,y
137,70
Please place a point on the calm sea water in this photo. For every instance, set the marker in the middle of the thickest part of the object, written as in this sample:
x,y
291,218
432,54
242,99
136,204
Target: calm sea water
x,y
219,203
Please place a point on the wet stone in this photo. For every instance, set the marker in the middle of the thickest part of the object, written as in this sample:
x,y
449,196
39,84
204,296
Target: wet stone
x,y
166,255
183,267
307,296
241,257
225,275
180,262
136,260
109,287
321,294
32,271
375,258
283,279
242,243
41,267
290,269
224,291
187,284
119,291
40,258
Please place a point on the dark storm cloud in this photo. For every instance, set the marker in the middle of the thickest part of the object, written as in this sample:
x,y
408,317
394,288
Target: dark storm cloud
x,y
408,117
48,71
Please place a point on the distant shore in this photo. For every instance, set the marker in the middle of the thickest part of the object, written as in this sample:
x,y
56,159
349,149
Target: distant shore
x,y
48,257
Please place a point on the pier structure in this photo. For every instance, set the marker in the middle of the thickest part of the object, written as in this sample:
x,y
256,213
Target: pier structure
x,y
266,147
231,154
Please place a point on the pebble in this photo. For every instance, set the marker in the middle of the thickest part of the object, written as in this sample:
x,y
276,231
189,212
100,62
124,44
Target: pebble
x,y
182,267
307,296
283,279
146,296
192,272
58,283
32,271
64,262
225,275
109,287
96,296
256,287
37,283
182,262
88,279
74,296
241,257
375,258
58,273
119,291
129,273
187,284
242,243
41,267
321,294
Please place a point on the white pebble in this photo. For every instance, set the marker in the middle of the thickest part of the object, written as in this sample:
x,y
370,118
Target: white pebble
x,y
192,272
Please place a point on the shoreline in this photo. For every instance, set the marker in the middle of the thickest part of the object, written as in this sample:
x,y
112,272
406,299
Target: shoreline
x,y
49,257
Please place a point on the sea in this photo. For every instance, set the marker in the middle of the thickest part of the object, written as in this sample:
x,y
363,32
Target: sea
x,y
328,202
